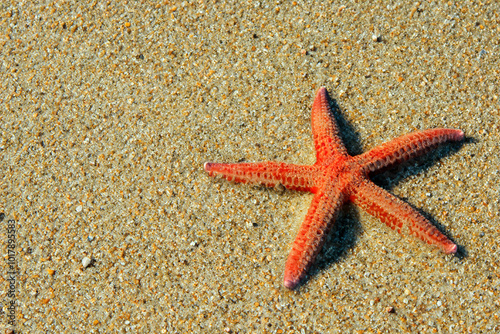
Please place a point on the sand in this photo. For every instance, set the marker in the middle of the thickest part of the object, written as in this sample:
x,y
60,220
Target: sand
x,y
108,112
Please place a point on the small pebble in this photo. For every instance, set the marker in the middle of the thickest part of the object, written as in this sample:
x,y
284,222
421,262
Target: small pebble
x,y
86,262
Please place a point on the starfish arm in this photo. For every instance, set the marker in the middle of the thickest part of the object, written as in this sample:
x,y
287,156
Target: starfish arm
x,y
312,234
270,174
327,140
406,147
399,215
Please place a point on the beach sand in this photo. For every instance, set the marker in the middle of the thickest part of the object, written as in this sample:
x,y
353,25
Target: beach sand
x,y
108,112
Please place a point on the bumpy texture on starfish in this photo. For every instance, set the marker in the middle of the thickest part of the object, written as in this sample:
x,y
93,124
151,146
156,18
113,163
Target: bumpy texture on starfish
x,y
337,178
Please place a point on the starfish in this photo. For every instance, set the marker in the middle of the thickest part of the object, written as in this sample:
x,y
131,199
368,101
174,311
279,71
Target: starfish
x,y
337,178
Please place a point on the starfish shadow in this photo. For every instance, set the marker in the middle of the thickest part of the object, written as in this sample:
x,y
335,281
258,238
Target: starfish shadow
x,y
347,228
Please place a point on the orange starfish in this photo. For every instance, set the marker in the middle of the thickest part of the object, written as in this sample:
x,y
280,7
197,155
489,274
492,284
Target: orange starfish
x,y
337,178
